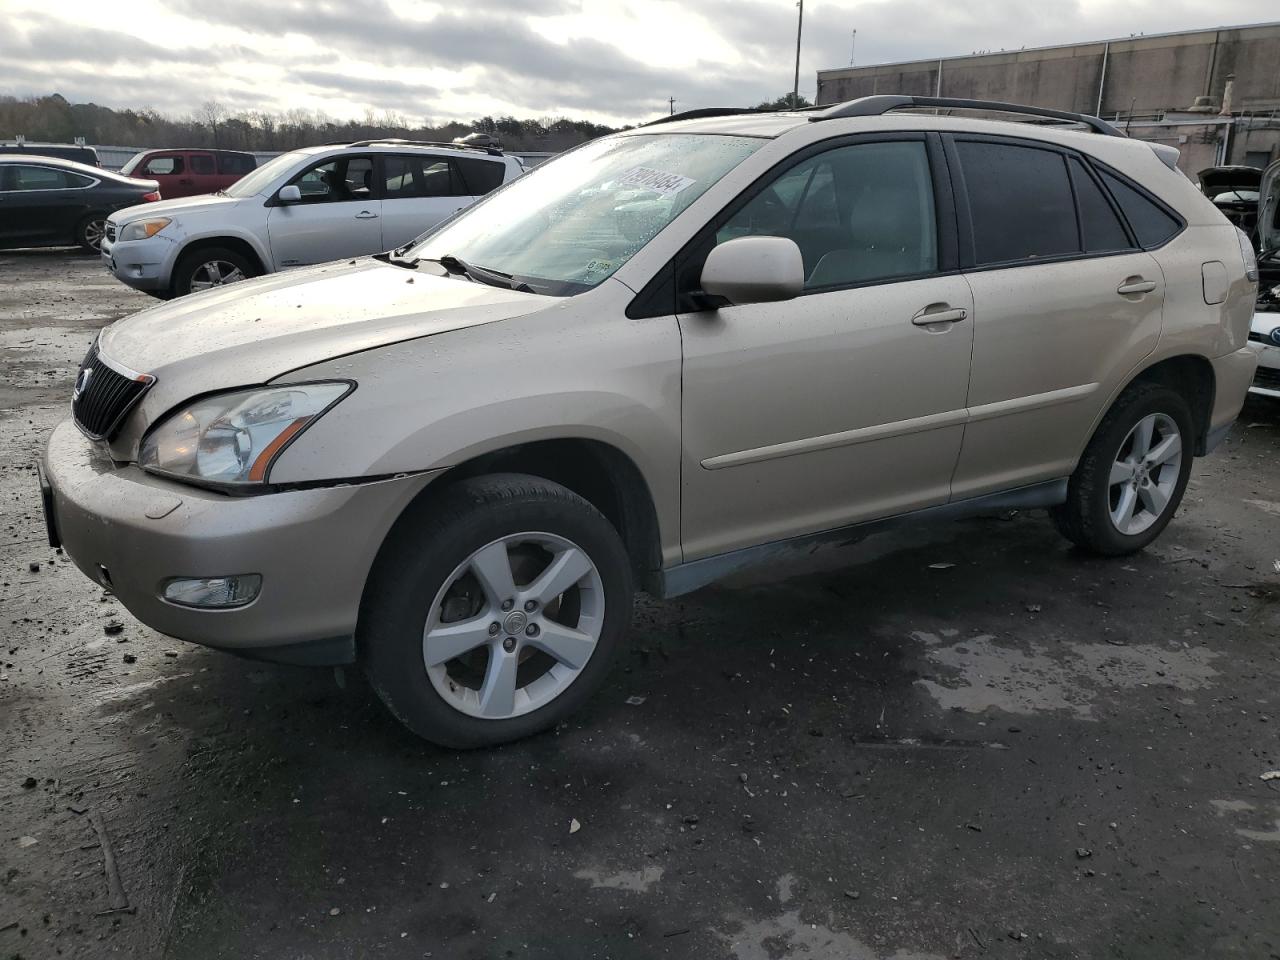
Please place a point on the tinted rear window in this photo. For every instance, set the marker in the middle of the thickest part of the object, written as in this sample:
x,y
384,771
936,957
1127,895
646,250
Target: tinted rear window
x,y
1150,223
1020,202
235,163
481,176
1102,229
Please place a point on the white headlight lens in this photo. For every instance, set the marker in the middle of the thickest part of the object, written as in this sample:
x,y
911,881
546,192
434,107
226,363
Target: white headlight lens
x,y
232,438
141,229
1250,258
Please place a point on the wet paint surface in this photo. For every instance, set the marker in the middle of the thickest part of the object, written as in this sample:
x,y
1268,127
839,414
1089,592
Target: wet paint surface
x,y
851,756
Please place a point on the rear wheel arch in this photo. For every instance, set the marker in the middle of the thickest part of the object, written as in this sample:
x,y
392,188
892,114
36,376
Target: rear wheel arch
x,y
1190,375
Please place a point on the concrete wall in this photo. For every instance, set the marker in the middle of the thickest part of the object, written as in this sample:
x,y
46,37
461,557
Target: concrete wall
x,y
1146,74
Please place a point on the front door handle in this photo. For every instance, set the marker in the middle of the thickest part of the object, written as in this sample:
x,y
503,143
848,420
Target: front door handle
x,y
366,215
1135,285
939,313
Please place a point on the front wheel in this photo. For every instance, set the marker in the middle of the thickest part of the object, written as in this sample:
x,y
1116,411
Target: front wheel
x,y
210,267
1132,475
494,612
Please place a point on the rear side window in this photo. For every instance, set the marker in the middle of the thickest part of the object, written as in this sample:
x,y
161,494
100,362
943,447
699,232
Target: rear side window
x,y
481,176
1100,227
235,163
1150,223
202,163
1019,201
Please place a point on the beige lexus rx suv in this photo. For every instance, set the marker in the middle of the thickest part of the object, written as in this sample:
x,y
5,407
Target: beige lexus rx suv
x,y
646,364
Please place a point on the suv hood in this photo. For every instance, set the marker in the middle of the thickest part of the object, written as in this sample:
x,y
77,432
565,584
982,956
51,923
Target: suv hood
x,y
173,208
252,332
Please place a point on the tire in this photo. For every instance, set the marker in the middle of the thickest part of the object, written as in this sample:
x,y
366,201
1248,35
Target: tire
x,y
425,583
207,267
90,230
1092,517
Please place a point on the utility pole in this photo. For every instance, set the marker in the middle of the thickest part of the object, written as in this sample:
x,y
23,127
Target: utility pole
x,y
671,105
795,90
853,46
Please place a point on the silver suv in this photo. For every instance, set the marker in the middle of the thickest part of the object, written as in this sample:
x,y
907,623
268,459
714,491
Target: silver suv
x,y
663,356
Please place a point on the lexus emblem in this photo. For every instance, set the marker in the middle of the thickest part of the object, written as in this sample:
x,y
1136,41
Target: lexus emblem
x,y
1275,336
82,383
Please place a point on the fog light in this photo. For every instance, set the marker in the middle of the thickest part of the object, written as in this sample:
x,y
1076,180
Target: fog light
x,y
214,592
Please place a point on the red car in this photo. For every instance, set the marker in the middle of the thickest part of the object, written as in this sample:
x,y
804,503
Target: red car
x,y
187,173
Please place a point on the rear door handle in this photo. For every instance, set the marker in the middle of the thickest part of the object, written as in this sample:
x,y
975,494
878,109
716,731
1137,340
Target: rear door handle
x,y
929,316
366,215
1134,286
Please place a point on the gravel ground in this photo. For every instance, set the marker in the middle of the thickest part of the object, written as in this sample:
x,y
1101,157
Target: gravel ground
x,y
859,756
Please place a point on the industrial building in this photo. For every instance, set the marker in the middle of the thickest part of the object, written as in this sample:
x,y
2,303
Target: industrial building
x,y
1214,94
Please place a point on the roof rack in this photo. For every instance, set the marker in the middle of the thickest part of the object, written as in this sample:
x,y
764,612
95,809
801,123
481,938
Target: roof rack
x,y
492,151
881,104
700,113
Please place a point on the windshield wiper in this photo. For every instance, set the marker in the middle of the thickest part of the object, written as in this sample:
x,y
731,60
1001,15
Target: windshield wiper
x,y
494,278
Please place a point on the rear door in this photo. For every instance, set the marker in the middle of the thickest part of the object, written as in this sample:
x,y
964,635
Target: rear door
x,y
39,204
339,215
202,171
1066,303
417,193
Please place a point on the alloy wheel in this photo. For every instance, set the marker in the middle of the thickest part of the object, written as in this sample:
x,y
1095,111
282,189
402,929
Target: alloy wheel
x,y
513,625
1145,473
215,273
93,233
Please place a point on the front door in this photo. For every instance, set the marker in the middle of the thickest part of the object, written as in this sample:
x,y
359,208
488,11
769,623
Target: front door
x,y
339,214
40,205
846,403
1066,304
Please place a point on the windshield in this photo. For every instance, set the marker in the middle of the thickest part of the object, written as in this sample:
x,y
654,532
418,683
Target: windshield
x,y
568,225
255,181
132,165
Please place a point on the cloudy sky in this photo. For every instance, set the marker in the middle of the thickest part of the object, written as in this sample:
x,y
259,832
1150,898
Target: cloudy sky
x,y
613,61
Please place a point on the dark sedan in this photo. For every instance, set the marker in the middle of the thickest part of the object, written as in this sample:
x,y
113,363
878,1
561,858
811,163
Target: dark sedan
x,y
47,202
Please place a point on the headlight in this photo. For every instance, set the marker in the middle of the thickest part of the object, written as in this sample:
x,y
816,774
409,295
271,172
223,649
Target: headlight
x,y
141,229
233,438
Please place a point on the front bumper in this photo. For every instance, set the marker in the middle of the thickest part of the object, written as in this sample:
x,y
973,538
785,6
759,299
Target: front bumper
x,y
1266,381
132,531
145,265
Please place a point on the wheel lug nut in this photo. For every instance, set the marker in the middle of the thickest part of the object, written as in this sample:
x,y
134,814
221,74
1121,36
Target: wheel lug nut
x,y
531,630
509,644
530,606
494,628
508,604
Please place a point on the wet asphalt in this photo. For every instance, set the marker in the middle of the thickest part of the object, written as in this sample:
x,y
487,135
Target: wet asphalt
x,y
963,740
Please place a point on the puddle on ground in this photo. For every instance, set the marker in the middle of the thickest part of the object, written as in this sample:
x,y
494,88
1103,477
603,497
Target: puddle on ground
x,y
991,676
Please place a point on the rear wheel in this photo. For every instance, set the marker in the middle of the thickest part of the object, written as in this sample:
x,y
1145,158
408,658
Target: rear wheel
x,y
1132,475
495,612
209,267
90,231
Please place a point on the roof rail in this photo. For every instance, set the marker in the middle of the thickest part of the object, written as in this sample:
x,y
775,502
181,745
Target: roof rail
x,y
700,113
882,103
397,141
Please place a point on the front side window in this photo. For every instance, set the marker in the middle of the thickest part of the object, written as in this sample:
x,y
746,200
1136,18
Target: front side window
x,y
164,166
338,180
859,214
1020,202
569,224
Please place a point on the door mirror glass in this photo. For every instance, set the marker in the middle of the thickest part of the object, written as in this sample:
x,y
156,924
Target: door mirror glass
x,y
289,194
754,270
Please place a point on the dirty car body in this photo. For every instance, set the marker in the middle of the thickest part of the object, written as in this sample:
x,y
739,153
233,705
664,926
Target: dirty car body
x,y
667,355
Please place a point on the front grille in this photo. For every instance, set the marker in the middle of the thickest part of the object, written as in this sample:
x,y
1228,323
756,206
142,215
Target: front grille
x,y
103,395
1268,377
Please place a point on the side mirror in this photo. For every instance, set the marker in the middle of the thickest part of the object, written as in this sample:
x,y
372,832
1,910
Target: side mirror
x,y
289,194
754,270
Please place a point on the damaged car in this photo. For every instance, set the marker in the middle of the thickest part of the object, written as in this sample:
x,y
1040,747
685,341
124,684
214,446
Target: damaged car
x,y
662,357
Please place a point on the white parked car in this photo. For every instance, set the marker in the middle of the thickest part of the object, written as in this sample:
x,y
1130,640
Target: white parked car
x,y
305,207
1264,337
